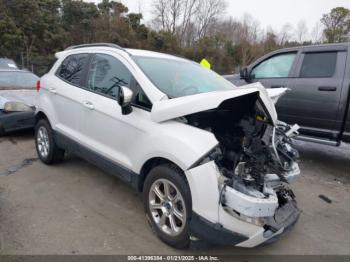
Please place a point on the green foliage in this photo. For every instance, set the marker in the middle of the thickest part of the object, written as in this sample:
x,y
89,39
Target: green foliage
x,y
10,37
30,28
337,24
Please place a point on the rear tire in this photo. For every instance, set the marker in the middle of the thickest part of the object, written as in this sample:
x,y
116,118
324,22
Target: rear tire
x,y
168,210
46,147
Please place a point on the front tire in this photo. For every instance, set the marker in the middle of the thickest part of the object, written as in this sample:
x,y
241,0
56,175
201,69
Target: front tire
x,y
46,147
168,205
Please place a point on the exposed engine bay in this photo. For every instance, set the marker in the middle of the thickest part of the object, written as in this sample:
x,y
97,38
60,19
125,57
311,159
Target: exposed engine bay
x,y
255,157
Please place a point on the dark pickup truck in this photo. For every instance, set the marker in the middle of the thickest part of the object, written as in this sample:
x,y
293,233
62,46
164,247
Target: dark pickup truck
x,y
319,81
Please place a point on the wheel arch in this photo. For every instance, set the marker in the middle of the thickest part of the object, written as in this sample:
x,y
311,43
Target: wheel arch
x,y
39,116
151,163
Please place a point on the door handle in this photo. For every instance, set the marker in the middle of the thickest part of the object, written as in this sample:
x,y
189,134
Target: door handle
x,y
327,88
53,90
88,105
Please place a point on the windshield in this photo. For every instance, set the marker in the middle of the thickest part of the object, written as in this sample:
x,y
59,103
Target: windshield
x,y
15,80
178,78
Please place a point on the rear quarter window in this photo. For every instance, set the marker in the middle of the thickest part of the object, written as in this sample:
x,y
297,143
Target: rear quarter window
x,y
319,65
72,68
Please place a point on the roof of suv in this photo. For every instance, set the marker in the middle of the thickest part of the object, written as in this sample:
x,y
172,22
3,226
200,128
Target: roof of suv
x,y
113,47
147,53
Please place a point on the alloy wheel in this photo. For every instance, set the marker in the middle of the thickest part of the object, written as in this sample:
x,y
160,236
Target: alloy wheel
x,y
43,142
167,207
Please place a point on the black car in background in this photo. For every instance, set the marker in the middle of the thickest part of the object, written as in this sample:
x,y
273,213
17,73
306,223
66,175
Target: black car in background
x,y
319,80
17,99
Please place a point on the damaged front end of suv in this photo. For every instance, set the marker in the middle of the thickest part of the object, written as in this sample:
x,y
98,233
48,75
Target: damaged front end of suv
x,y
240,188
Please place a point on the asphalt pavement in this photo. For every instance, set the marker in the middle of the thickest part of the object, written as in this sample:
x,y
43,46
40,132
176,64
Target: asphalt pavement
x,y
74,208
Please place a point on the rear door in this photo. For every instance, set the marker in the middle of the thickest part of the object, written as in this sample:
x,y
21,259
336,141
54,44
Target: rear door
x,y
67,96
275,71
316,87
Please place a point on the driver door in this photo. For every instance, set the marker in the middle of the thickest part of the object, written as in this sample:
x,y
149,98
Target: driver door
x,y
275,72
108,133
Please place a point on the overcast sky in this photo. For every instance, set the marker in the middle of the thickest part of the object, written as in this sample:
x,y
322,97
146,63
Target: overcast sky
x,y
270,13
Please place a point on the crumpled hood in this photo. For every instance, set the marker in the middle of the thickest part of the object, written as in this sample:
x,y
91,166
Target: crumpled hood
x,y
27,97
177,107
276,93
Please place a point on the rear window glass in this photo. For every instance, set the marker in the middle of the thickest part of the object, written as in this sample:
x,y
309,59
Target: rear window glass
x,y
72,68
13,80
319,64
7,64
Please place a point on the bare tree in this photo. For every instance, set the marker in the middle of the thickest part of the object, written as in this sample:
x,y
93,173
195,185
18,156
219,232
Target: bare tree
x,y
301,31
174,16
175,13
247,29
160,14
189,9
187,17
231,28
207,14
167,14
317,33
139,6
251,28
285,34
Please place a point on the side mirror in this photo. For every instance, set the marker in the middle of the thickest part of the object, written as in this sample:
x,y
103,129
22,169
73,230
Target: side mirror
x,y
124,99
244,74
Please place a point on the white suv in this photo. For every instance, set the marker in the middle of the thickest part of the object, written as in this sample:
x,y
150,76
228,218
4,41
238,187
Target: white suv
x,y
212,160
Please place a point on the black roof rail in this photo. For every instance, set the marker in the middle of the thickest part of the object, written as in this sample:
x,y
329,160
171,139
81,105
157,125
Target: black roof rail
x,y
96,45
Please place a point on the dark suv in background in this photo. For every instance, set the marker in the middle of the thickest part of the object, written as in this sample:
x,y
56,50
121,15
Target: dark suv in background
x,y
319,79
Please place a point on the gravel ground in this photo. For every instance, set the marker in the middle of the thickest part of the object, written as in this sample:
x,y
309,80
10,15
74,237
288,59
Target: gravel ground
x,y
74,208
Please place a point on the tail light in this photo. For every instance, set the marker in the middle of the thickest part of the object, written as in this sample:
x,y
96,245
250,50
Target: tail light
x,y
38,85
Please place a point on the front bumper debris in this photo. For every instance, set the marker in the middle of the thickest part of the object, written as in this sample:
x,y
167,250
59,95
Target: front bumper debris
x,y
275,228
219,224
213,233
285,217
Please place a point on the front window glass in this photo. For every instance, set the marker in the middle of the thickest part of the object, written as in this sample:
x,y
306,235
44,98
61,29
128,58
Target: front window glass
x,y
275,67
107,74
177,78
15,80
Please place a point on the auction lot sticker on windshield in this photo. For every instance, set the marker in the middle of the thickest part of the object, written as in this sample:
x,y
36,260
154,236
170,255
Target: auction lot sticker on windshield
x,y
205,63
12,65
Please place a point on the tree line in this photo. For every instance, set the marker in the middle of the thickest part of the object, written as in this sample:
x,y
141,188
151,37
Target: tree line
x,y
31,31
